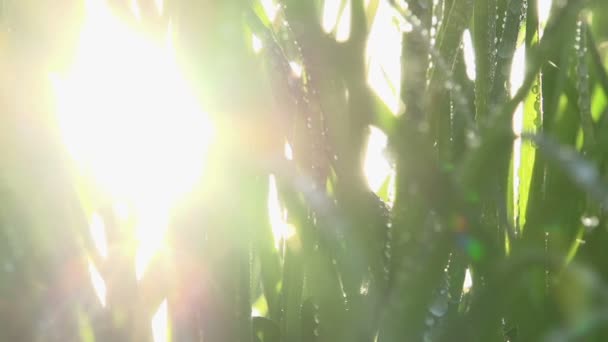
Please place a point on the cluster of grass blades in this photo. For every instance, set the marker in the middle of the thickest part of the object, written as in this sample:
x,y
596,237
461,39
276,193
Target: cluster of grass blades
x,y
491,225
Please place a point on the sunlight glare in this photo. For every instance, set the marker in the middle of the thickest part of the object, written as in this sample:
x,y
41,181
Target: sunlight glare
x,y
160,323
376,166
468,281
331,9
127,116
270,8
383,55
256,313
131,122
256,43
544,10
121,210
135,10
296,69
98,234
281,230
288,151
152,224
516,80
160,6
344,22
469,55
99,285
518,69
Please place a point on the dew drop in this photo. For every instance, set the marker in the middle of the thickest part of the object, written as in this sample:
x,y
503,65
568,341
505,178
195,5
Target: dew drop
x,y
472,139
504,51
535,89
537,105
590,221
439,306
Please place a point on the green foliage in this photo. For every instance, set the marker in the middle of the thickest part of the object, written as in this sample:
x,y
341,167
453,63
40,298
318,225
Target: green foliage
x,y
526,221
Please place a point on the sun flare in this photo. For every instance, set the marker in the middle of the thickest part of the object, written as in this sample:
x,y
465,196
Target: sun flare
x,y
131,123
126,114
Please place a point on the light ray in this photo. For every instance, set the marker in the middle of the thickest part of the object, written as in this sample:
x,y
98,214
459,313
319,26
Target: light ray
x,y
99,285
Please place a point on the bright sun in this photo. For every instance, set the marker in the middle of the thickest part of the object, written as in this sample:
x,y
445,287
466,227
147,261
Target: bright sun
x,y
136,131
127,116
131,122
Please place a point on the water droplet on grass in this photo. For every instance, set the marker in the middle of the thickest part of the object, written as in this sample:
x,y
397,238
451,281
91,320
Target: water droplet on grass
x,y
590,221
439,306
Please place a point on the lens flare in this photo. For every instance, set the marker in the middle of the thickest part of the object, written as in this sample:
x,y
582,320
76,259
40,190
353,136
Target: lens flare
x,y
131,123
